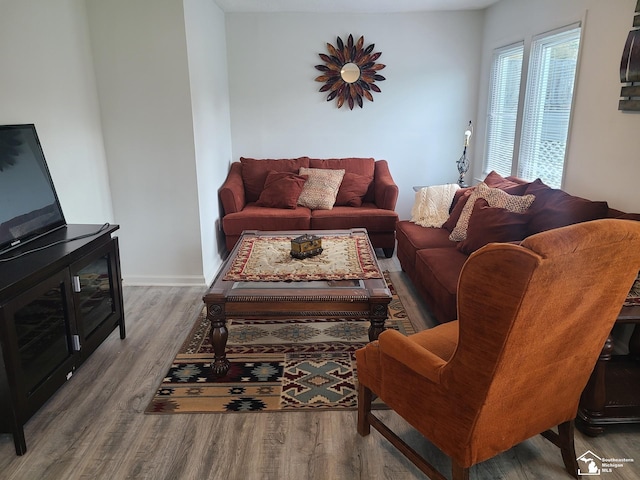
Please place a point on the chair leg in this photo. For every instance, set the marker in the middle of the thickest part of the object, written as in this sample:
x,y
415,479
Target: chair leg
x,y
564,440
365,397
567,447
458,472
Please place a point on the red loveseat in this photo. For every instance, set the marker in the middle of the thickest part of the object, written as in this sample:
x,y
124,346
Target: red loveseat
x,y
433,262
262,194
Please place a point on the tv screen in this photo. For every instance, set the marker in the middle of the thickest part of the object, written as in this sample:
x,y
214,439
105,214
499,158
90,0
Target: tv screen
x,y
29,205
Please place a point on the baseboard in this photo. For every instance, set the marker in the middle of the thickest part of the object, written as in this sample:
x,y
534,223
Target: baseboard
x,y
165,281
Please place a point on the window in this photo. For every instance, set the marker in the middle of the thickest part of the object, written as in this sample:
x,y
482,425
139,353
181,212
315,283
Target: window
x,y
546,109
503,108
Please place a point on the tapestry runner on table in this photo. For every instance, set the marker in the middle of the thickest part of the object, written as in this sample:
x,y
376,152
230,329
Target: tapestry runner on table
x,y
268,258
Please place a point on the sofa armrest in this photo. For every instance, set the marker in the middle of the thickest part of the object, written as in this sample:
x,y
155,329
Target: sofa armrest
x,y
385,189
232,190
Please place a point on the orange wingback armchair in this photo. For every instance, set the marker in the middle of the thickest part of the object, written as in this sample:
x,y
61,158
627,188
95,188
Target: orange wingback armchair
x,y
532,319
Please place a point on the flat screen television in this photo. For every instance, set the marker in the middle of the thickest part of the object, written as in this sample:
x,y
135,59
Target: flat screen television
x,y
29,205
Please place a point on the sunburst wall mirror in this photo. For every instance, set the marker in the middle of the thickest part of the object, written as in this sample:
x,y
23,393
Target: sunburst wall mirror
x,y
350,72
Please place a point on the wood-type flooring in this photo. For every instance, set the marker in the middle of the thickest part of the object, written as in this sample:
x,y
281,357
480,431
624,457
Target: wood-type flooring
x,y
94,427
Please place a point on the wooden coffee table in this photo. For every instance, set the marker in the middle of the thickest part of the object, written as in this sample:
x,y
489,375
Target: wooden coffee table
x,y
280,300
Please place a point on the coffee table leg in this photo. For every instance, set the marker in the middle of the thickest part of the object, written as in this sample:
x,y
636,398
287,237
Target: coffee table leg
x,y
379,314
218,336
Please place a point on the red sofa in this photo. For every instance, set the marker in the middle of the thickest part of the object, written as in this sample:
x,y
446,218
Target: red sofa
x,y
433,262
366,198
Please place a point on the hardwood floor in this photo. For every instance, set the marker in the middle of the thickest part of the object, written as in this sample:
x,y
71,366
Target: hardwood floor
x,y
95,428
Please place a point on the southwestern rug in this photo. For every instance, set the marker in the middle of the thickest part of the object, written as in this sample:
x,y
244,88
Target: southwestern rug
x,y
291,365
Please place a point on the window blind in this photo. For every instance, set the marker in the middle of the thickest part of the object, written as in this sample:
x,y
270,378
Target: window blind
x,y
547,108
502,111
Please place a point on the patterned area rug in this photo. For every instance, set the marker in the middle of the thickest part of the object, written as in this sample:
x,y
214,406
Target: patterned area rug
x,y
275,366
267,258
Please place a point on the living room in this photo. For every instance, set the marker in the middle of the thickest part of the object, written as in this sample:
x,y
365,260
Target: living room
x,y
142,106
126,96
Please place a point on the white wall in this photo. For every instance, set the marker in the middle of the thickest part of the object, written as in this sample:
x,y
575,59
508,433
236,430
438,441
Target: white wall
x,y
146,140
416,123
46,78
140,56
603,160
207,55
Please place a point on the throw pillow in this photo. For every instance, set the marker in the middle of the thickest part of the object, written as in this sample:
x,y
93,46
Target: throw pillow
x,y
555,208
352,189
495,198
255,171
493,224
321,188
357,165
495,180
281,190
458,204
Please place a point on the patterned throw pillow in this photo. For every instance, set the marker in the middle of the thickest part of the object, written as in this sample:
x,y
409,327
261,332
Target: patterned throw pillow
x,y
495,198
321,188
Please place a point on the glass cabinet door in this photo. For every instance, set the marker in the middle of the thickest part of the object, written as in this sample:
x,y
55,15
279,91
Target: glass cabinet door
x,y
96,296
43,331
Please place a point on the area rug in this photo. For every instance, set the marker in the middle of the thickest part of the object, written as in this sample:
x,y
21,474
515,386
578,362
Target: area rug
x,y
267,258
293,365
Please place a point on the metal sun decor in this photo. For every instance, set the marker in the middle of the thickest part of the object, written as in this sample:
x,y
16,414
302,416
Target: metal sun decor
x,y
350,72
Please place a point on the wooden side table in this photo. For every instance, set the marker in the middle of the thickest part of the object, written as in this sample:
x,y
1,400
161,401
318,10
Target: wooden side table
x,y
612,395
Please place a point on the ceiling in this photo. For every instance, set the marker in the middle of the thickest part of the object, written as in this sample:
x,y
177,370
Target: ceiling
x,y
349,6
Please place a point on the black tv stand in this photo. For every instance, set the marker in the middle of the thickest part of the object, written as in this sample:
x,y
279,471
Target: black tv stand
x,y
57,305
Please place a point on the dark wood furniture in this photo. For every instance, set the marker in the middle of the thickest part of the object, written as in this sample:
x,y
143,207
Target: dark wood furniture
x,y
368,298
57,304
612,395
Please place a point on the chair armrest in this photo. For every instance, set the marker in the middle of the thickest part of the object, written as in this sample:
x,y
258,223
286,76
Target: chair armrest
x,y
409,353
385,189
232,190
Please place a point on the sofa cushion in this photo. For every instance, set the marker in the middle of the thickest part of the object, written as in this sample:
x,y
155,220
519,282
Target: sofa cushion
x,y
353,189
367,216
254,172
492,224
254,217
495,198
281,190
437,272
417,237
554,208
361,166
321,188
412,237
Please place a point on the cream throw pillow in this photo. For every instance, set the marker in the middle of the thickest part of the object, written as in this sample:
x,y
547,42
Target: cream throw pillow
x,y
495,198
321,188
